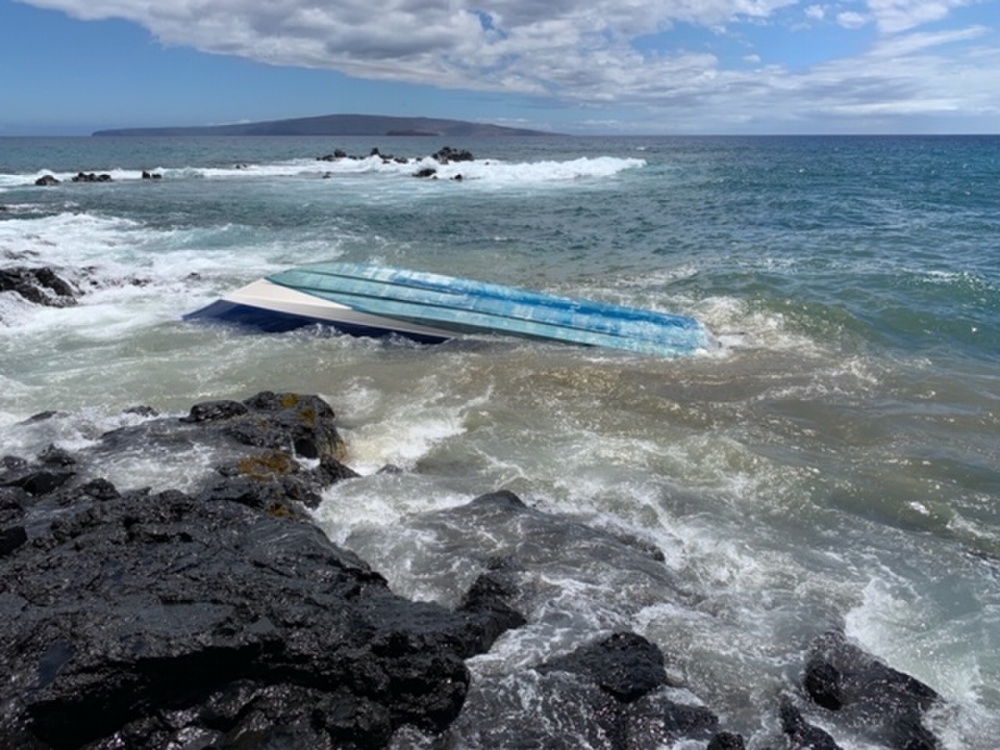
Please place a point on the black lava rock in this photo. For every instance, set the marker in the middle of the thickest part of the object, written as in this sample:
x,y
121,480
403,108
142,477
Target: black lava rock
x,y
163,617
626,665
866,694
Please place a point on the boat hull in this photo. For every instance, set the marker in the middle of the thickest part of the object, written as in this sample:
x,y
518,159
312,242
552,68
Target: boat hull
x,y
266,306
464,306
373,300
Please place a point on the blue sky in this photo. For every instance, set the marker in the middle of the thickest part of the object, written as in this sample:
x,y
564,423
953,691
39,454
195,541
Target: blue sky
x,y
572,66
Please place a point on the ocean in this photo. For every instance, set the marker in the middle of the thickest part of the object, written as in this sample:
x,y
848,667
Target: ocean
x,y
833,463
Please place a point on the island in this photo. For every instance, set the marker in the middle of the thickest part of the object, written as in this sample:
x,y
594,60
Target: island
x,y
340,125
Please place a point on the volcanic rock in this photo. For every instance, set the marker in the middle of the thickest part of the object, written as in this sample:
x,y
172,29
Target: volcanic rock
x,y
448,154
865,693
166,619
42,286
91,177
801,734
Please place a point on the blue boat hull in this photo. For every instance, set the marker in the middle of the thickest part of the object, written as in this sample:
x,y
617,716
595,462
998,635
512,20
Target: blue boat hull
x,y
366,299
464,306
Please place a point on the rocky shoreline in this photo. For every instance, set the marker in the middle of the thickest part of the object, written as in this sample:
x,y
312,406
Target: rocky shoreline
x,y
444,155
222,616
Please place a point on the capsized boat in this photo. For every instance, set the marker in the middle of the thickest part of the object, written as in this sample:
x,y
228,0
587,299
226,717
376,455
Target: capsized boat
x,y
374,300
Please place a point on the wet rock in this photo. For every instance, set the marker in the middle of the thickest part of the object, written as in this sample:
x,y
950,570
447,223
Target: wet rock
x,y
630,669
488,600
54,456
448,154
99,489
47,180
308,421
258,451
41,286
212,411
866,694
156,619
611,694
42,416
12,502
10,465
91,177
626,665
425,172
160,617
151,175
38,481
335,156
142,411
11,539
801,734
727,741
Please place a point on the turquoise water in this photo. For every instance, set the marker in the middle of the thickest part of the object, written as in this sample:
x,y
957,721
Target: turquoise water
x,y
833,463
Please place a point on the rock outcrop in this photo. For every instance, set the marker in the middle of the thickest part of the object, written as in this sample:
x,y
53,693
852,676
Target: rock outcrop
x,y
157,619
218,615
41,286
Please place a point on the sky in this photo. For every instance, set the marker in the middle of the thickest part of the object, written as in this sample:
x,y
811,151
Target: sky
x,y
642,67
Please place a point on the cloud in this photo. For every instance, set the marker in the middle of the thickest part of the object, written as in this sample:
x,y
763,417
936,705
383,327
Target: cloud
x,y
585,52
894,16
815,12
577,48
851,20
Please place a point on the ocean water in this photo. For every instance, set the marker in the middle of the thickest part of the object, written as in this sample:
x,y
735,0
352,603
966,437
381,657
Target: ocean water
x,y
834,462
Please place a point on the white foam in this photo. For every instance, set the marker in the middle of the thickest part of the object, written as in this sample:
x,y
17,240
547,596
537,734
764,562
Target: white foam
x,y
902,626
379,501
485,170
488,172
129,275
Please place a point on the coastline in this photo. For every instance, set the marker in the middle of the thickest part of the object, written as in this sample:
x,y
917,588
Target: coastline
x,y
224,615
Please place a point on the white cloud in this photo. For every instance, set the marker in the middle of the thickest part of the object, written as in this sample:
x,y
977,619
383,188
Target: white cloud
x,y
899,46
851,20
899,15
578,48
580,52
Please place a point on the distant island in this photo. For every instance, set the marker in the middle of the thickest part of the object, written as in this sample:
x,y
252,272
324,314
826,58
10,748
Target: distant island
x,y
334,125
